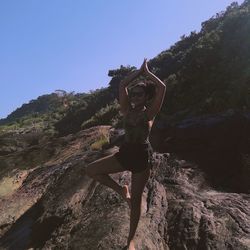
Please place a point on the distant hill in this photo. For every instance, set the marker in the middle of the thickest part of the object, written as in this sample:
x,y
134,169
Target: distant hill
x,y
43,104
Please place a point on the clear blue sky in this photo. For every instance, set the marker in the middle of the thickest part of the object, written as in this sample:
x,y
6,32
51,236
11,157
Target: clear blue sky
x,y
71,45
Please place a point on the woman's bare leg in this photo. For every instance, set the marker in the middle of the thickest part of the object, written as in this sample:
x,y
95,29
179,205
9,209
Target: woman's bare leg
x,y
139,181
99,171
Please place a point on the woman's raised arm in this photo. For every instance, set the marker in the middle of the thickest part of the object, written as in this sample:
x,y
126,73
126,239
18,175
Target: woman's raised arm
x,y
155,107
123,92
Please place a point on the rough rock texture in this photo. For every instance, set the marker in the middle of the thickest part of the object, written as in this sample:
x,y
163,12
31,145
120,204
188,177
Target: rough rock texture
x,y
56,206
219,144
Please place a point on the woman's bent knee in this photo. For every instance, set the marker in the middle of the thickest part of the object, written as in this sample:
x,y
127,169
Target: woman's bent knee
x,y
93,168
89,170
106,165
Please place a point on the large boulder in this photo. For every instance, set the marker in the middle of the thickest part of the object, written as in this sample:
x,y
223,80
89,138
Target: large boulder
x,y
219,144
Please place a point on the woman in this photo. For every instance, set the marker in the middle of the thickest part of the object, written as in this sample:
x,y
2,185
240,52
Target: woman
x,y
135,153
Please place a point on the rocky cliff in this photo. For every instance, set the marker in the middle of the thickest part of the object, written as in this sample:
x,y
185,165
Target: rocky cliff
x,y
56,206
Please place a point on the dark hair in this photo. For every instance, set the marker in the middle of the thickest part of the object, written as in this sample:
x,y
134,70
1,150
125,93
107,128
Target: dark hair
x,y
148,88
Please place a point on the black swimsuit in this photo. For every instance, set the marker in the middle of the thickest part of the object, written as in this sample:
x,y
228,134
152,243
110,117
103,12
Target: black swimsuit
x,y
135,154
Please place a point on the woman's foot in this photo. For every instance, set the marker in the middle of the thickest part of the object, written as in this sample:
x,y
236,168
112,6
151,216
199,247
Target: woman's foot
x,y
126,195
131,245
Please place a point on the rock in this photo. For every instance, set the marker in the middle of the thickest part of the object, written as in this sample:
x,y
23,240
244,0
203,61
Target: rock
x,y
59,207
219,144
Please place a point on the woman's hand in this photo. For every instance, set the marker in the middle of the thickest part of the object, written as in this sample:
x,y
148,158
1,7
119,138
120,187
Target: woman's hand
x,y
145,67
136,73
142,69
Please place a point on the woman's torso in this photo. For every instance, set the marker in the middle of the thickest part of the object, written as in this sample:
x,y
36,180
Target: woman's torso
x,y
137,126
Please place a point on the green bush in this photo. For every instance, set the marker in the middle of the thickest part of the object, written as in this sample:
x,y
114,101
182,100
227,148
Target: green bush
x,y
105,116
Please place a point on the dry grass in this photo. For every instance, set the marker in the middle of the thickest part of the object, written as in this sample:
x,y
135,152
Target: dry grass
x,y
99,144
10,183
89,139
